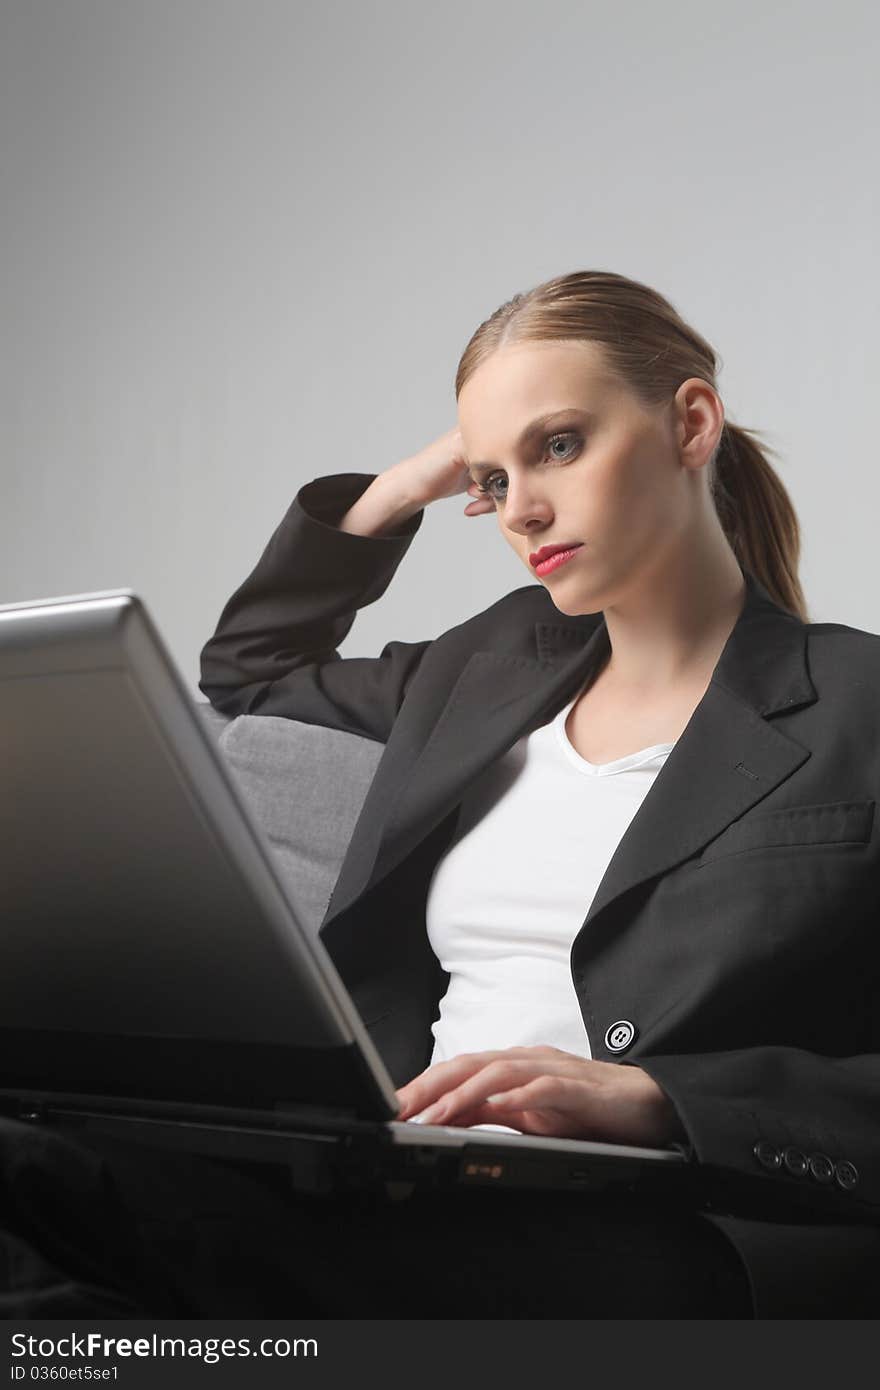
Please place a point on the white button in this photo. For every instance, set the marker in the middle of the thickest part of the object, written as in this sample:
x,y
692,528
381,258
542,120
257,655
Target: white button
x,y
620,1035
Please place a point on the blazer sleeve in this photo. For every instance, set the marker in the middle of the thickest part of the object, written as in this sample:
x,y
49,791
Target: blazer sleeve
x,y
274,648
799,1123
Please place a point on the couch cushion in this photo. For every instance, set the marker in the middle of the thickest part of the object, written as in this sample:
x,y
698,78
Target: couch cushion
x,y
305,786
213,720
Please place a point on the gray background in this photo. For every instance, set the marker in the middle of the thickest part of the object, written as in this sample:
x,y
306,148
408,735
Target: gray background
x,y
244,243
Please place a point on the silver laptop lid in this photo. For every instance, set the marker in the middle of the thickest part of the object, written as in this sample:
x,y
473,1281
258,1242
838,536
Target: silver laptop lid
x,y
146,943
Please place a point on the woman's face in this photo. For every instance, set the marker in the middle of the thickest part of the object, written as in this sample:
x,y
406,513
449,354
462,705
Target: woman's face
x,y
605,474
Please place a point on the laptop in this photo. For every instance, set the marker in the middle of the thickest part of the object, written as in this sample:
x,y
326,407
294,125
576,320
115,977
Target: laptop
x,y
155,983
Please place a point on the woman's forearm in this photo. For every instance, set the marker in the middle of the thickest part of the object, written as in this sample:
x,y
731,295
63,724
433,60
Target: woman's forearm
x,y
383,509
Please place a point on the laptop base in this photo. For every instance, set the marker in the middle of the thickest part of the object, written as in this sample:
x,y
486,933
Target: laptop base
x,y
321,1153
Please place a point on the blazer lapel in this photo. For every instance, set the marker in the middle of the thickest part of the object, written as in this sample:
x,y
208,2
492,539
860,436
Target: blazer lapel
x,y
495,701
728,757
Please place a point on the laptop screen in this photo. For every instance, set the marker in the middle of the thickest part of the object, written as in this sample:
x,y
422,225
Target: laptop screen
x,y
146,943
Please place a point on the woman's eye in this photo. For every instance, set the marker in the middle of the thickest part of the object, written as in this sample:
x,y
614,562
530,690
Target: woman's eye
x,y
571,437
489,487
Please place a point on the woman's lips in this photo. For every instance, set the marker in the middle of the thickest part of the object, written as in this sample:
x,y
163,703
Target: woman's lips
x,y
553,560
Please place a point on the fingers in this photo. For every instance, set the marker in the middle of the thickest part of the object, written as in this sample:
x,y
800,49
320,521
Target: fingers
x,y
503,1099
442,1077
480,503
435,1081
459,1090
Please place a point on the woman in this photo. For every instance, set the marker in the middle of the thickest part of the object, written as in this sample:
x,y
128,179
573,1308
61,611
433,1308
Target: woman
x,y
651,734
615,875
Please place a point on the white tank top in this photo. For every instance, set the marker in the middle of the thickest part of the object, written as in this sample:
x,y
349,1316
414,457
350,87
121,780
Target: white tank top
x,y
534,837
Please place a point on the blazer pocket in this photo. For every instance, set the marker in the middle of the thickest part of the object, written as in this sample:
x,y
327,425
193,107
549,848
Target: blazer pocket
x,y
826,823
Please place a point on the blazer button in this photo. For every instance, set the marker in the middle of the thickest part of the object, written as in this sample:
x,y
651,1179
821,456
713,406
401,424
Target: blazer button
x,y
795,1161
620,1035
821,1167
767,1155
847,1174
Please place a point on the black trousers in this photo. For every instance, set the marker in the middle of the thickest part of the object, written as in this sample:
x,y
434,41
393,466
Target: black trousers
x,y
101,1227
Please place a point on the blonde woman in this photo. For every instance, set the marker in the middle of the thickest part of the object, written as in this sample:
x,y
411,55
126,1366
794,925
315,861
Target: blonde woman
x,y
617,874
650,898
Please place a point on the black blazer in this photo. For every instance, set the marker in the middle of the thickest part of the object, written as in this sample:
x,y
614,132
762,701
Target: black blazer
x,y
735,932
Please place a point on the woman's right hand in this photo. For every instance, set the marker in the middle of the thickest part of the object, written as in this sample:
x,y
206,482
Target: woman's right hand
x,y
441,470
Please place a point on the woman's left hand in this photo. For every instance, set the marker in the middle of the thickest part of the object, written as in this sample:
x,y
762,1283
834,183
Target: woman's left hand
x,y
543,1090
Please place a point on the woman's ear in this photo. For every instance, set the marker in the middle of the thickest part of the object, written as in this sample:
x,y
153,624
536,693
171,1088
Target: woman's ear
x,y
699,420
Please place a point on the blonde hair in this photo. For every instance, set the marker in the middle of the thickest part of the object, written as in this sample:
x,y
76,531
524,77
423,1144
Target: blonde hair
x,y
652,350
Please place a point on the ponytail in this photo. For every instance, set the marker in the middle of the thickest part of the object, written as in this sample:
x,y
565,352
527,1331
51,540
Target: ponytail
x,y
757,516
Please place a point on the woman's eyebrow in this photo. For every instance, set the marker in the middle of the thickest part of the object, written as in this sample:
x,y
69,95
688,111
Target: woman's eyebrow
x,y
535,427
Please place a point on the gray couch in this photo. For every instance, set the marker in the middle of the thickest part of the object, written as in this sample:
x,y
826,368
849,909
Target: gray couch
x,y
304,786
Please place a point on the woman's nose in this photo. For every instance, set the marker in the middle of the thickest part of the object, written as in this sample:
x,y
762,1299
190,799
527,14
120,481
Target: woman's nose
x,y
525,506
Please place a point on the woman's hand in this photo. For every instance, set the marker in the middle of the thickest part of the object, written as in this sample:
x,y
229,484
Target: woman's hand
x,y
543,1090
439,470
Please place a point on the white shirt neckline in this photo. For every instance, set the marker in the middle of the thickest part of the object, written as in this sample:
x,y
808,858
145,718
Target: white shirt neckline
x,y
588,769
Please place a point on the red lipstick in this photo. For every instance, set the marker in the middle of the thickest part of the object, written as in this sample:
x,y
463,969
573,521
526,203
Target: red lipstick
x,y
550,557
